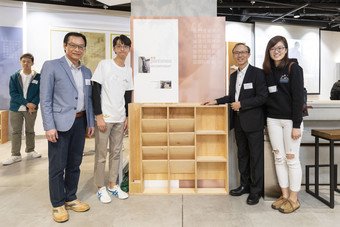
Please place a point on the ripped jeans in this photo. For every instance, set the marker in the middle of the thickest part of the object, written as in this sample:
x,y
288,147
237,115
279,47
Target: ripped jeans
x,y
286,153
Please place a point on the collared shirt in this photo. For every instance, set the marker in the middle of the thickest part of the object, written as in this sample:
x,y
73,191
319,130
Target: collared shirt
x,y
26,80
78,78
239,81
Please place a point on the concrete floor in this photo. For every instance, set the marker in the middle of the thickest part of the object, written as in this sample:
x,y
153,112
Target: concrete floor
x,y
24,200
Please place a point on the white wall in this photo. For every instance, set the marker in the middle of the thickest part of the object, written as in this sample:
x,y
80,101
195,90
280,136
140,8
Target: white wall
x,y
7,11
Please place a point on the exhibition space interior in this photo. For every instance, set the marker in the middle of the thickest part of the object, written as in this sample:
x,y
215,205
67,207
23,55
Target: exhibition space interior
x,y
179,159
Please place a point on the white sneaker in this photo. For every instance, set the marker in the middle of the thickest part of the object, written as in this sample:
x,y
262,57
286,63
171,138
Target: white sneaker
x,y
33,155
11,160
116,191
103,196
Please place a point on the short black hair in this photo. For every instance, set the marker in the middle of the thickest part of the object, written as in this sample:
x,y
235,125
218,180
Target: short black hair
x,y
77,34
123,38
241,44
27,55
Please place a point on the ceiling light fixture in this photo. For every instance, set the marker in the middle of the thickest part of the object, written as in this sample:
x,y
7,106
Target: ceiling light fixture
x,y
296,15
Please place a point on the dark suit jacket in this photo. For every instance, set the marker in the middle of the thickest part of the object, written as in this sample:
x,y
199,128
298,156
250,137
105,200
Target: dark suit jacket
x,y
253,95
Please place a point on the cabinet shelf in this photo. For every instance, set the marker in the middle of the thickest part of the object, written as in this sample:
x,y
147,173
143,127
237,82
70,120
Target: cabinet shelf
x,y
154,125
151,112
178,149
182,139
154,139
182,125
155,152
211,159
182,152
181,112
211,132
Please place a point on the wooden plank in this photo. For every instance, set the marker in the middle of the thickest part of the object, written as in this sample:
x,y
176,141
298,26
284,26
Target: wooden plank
x,y
182,139
182,166
3,126
181,112
211,145
155,152
135,158
211,118
181,125
154,125
182,152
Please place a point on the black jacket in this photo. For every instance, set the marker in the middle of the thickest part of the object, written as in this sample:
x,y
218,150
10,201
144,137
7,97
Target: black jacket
x,y
335,92
252,100
286,100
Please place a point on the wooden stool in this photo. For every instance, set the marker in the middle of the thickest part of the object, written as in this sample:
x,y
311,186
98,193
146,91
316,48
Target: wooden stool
x,y
331,136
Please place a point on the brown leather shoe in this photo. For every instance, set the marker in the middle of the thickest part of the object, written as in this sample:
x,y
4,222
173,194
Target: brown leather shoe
x,y
279,202
289,206
60,214
77,205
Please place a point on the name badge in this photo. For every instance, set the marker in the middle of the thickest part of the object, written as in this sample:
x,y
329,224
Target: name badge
x,y
272,89
34,82
248,86
87,82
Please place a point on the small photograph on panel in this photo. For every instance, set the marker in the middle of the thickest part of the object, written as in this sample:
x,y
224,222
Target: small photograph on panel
x,y
165,84
143,64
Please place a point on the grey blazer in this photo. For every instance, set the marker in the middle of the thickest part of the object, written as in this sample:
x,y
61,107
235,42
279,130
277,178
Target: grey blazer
x,y
58,95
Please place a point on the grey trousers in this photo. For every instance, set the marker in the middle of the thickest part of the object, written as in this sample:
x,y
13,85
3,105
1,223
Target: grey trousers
x,y
17,120
114,134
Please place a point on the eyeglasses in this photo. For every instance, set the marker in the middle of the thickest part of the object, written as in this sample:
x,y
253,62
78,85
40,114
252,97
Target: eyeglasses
x,y
122,47
279,49
75,46
240,52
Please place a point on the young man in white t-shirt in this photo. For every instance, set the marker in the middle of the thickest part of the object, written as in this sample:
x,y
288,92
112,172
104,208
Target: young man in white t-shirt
x,y
111,93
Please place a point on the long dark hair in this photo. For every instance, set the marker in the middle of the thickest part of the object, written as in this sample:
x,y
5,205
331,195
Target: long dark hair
x,y
268,62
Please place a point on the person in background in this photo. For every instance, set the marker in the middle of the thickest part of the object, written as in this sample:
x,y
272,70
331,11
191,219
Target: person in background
x,y
112,90
284,120
335,92
66,108
247,95
24,93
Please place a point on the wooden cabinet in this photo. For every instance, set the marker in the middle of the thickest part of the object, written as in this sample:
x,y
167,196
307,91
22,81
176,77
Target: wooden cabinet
x,y
3,126
178,148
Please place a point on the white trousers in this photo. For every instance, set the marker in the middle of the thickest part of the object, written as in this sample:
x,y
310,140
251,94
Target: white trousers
x,y
288,170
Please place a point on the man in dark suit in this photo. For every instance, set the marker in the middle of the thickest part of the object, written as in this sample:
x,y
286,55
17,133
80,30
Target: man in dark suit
x,y
66,108
247,94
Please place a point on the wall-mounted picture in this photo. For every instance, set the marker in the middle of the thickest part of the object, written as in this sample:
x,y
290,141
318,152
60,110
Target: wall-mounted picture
x,y
143,64
95,49
165,84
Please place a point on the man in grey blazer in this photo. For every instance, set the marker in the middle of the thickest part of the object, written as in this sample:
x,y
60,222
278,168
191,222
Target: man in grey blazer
x,y
66,108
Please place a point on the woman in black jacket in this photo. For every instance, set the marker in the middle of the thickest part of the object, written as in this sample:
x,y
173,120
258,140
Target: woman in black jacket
x,y
284,120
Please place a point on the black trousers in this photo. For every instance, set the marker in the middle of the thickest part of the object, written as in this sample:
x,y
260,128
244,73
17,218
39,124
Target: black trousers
x,y
65,157
250,154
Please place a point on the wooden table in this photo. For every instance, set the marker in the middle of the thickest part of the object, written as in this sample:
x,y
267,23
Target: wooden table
x,y
331,136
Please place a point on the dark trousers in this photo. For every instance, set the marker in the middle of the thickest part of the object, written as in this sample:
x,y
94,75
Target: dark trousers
x,y
65,157
250,146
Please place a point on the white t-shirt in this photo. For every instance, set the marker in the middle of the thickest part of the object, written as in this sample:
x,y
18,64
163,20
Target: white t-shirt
x,y
26,80
115,80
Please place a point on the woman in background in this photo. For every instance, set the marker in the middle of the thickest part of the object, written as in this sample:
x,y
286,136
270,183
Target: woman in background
x,y
284,120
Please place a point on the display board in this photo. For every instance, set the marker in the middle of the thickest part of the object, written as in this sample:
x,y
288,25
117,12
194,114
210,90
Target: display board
x,y
10,52
178,59
303,44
